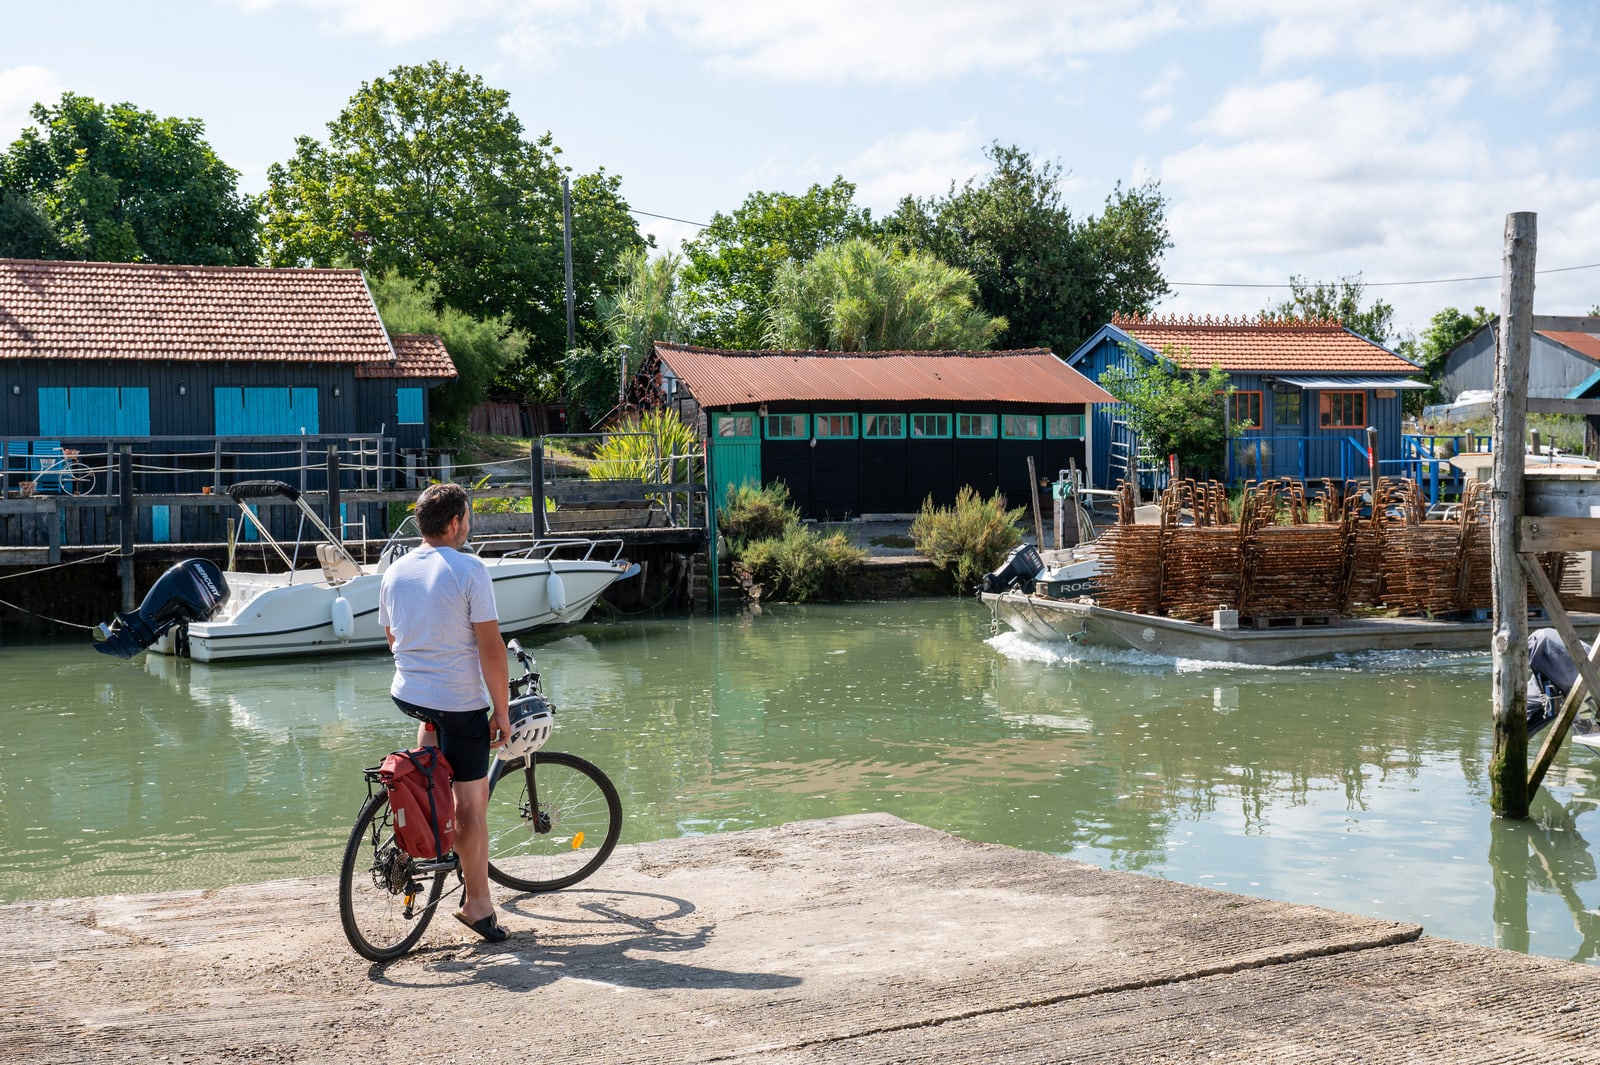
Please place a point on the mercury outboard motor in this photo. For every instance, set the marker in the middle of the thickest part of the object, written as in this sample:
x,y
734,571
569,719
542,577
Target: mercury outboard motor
x,y
1022,568
193,590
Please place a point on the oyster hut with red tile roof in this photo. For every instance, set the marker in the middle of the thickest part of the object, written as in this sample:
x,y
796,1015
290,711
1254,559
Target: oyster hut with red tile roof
x,y
878,432
1306,389
177,358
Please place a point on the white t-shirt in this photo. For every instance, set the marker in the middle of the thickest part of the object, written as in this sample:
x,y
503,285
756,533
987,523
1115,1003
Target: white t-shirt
x,y
430,599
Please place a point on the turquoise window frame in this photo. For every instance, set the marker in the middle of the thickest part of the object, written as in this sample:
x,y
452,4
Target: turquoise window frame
x,y
818,426
993,427
1051,433
1008,420
734,418
869,422
949,426
801,433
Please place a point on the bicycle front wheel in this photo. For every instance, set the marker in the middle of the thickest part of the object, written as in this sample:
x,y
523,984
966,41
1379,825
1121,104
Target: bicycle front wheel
x,y
385,900
553,819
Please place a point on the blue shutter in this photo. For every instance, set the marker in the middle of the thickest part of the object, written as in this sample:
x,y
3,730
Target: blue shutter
x,y
55,416
133,414
303,407
409,401
94,412
228,411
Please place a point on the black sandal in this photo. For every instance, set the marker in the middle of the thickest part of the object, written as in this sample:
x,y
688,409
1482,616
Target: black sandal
x,y
486,927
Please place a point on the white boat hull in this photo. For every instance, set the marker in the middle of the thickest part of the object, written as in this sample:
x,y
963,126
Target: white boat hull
x,y
1050,620
269,617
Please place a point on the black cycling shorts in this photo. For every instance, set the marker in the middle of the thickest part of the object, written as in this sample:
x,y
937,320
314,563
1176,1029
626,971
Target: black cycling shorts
x,y
463,737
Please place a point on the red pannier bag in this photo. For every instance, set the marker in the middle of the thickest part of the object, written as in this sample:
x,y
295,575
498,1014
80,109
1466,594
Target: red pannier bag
x,y
421,802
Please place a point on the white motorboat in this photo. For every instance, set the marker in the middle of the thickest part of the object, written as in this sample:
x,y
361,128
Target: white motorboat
x,y
334,608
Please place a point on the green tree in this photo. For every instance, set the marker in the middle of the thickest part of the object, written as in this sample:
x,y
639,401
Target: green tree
x,y
734,263
478,348
1176,411
117,184
647,304
858,296
1445,330
25,233
1337,300
1053,278
426,172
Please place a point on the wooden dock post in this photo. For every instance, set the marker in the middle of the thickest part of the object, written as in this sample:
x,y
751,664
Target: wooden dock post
x,y
129,521
536,487
1033,487
335,518
1508,765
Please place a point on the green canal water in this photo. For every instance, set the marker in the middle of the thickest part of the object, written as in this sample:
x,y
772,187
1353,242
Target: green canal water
x,y
1360,785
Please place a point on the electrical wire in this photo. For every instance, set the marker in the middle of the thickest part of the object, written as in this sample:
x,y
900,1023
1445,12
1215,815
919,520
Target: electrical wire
x,y
1378,284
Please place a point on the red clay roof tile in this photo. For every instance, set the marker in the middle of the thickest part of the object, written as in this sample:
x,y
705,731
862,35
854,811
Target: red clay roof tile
x,y
416,355
1269,344
719,378
73,310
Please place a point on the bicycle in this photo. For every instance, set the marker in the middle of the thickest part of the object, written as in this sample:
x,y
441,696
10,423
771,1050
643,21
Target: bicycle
x,y
554,818
62,474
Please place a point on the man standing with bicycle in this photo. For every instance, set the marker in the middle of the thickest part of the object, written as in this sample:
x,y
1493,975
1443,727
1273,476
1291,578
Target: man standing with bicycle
x,y
436,605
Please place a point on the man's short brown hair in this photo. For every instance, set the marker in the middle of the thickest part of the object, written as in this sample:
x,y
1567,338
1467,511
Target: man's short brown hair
x,y
438,506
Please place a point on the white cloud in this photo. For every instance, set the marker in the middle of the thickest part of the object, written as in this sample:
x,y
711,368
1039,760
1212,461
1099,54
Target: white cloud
x,y
1156,117
1383,180
919,162
1517,43
20,89
395,21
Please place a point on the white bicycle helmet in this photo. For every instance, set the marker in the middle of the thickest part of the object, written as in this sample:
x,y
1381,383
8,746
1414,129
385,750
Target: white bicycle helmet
x,y
532,718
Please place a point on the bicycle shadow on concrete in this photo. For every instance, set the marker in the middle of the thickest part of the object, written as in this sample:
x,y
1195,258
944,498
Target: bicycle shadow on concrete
x,y
616,937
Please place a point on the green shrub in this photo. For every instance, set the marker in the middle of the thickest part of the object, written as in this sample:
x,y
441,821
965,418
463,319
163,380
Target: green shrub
x,y
800,564
751,513
655,446
974,536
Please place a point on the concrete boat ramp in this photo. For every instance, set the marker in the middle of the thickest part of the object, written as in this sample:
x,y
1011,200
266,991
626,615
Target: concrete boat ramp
x,y
857,939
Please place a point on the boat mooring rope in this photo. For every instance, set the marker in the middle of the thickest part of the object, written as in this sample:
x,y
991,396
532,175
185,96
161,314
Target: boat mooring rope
x,y
46,569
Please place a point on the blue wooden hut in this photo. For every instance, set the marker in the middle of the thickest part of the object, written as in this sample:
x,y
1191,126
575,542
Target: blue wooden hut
x,y
1305,393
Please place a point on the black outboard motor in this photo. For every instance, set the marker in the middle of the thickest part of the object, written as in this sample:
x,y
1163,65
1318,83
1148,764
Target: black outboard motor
x,y
193,590
1021,569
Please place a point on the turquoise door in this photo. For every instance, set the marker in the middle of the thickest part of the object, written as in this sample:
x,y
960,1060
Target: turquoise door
x,y
735,452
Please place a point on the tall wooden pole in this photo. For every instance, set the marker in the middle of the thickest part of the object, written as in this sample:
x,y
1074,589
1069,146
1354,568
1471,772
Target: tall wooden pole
x,y
1508,766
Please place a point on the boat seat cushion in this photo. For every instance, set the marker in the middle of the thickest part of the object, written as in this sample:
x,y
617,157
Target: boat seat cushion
x,y
335,566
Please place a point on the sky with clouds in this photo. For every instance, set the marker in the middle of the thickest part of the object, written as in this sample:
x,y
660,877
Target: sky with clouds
x,y
1373,137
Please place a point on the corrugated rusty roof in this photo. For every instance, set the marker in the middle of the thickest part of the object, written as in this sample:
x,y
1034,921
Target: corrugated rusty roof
x,y
1585,344
1249,344
416,355
72,310
718,378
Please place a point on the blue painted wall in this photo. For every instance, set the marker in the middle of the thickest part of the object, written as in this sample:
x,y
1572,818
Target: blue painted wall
x,y
1306,451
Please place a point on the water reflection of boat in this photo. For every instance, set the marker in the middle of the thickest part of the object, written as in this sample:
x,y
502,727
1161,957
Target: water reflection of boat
x,y
334,609
1044,618
284,701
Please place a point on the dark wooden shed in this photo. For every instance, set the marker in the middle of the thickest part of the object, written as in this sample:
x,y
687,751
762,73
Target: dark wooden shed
x,y
861,433
190,362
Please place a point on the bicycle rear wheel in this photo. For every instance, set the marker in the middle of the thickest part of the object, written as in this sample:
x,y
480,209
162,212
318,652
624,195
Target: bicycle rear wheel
x,y
563,835
385,901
